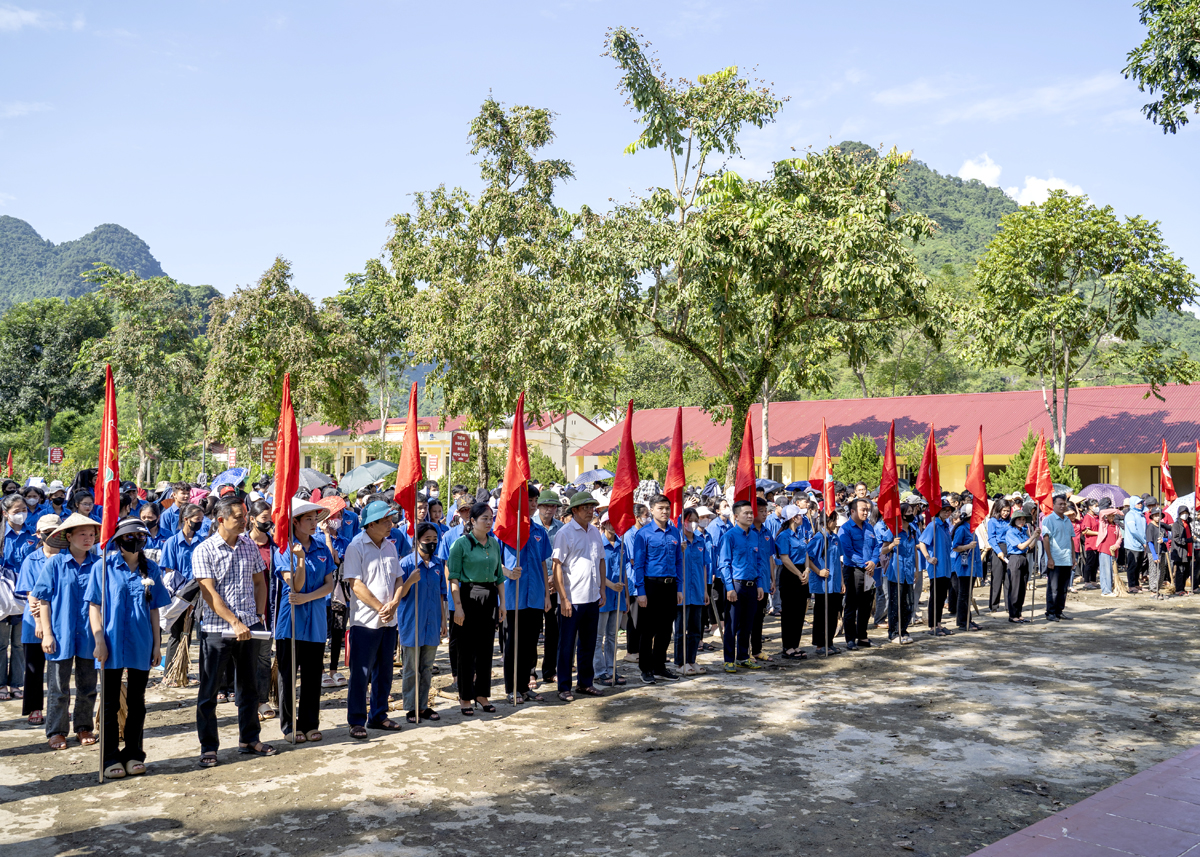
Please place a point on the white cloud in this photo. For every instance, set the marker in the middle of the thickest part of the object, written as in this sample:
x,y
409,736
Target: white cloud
x,y
1037,191
6,198
917,92
982,168
1045,100
13,109
13,19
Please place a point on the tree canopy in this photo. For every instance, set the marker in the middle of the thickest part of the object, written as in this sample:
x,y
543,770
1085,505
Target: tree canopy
x,y
1167,63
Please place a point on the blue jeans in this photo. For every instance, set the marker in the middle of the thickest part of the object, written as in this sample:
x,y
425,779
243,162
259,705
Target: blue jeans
x,y
577,636
371,651
606,644
1106,572
741,621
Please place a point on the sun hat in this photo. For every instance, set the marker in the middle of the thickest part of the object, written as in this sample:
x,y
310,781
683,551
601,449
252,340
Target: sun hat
x,y
583,498
604,519
548,498
131,525
374,511
303,507
56,485
48,523
704,511
335,505
1019,512
75,520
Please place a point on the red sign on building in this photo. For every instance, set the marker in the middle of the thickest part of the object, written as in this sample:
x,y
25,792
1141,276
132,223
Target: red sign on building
x,y
460,447
268,452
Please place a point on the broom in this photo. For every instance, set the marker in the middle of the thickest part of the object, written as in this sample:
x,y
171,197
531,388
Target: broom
x,y
177,671
273,693
123,711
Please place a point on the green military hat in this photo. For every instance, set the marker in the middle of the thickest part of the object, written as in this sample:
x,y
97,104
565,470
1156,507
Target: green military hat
x,y
548,498
583,498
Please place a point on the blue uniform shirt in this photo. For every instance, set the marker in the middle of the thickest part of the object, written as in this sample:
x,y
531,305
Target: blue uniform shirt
x,y
717,528
30,569
431,590
739,557
695,557
17,546
818,546
936,539
349,527
968,563
443,551
996,528
533,575
168,522
857,542
1014,537
773,525
312,624
399,537
792,544
127,622
612,570
177,556
655,554
63,582
902,562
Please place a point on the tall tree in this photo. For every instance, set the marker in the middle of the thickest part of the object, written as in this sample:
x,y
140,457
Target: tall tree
x,y
40,375
374,306
494,320
261,332
150,346
1168,61
1060,283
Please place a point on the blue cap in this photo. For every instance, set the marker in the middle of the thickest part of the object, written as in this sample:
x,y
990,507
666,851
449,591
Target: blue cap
x,y
376,510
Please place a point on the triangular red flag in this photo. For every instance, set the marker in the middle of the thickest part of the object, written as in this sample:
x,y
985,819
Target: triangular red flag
x,y
676,477
744,483
287,467
1165,482
929,480
1196,476
977,486
889,484
409,475
1035,466
625,481
108,489
10,462
512,515
821,475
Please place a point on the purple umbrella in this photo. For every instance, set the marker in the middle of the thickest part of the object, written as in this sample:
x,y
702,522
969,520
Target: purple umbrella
x,y
1100,490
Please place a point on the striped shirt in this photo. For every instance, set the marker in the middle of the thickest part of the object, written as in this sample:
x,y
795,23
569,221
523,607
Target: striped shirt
x,y
233,570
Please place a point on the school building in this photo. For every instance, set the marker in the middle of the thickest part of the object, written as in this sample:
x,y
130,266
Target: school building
x,y
1114,434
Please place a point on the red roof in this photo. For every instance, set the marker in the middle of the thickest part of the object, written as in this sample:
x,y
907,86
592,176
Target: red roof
x,y
372,427
1103,420
548,419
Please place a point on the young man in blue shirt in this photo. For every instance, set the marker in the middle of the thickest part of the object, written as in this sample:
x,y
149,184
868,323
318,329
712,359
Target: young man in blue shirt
x,y
657,586
856,539
1057,538
746,577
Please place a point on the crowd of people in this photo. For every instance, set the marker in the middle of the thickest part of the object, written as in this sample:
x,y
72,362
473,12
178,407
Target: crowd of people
x,y
352,590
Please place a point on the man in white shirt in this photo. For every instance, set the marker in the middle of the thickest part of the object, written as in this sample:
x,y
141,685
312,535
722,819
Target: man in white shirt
x,y
372,568
579,573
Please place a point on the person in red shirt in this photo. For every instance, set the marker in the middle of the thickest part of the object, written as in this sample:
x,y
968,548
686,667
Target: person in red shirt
x,y
1108,542
1089,528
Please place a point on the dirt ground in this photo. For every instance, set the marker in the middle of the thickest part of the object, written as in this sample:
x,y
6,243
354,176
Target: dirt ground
x,y
937,748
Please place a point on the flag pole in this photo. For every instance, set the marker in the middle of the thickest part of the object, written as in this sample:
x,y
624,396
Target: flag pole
x,y
416,624
518,697
103,615
617,639
683,563
292,556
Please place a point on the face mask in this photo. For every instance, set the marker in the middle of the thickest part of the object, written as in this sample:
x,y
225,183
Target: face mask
x,y
17,519
31,502
56,501
265,528
151,524
131,544
426,548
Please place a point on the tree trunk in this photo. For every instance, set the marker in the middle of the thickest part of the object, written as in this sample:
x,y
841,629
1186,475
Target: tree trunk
x,y
143,451
46,436
765,467
385,400
483,474
737,428
564,445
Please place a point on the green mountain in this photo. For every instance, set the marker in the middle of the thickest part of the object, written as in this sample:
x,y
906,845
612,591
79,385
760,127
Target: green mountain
x,y
32,267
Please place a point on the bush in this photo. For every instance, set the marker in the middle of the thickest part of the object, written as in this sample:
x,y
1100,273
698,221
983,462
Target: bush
x,y
859,461
1012,478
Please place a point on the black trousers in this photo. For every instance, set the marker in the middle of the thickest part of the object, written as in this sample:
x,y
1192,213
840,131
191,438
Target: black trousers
x,y
858,603
756,625
826,610
793,603
1018,579
938,589
135,716
656,623
453,634
1058,580
35,679
1135,564
1183,569
1091,566
999,569
521,637
550,644
952,590
965,587
216,655
310,659
476,634
900,608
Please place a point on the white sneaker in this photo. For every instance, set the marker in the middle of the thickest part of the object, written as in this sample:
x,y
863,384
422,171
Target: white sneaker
x,y
1108,594
632,659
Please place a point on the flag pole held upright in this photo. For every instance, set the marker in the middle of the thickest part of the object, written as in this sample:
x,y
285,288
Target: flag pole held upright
x,y
512,522
407,477
673,489
109,497
287,482
620,506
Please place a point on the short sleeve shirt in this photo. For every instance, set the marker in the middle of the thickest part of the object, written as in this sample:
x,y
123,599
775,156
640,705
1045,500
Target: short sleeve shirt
x,y
232,570
379,569
580,551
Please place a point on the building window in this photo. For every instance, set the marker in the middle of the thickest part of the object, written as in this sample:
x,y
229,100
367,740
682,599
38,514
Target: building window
x,y
775,472
308,461
347,464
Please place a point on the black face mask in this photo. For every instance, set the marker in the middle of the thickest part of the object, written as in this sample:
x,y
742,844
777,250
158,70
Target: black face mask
x,y
150,525
264,528
56,502
426,549
131,544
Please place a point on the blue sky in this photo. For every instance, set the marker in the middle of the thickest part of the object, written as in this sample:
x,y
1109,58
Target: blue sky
x,y
227,133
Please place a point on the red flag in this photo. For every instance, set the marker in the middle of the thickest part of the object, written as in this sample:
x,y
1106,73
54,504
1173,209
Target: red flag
x,y
409,474
10,462
821,475
1031,475
625,482
1038,484
929,481
108,491
889,484
1196,476
744,482
512,515
977,486
1165,482
676,477
287,467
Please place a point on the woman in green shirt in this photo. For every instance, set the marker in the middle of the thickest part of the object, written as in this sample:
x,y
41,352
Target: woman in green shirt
x,y
474,575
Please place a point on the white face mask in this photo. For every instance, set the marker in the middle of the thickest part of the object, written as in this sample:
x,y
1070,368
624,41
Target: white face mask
x,y
17,519
31,502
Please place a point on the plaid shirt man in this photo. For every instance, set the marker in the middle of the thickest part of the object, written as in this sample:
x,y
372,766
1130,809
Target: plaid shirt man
x,y
233,570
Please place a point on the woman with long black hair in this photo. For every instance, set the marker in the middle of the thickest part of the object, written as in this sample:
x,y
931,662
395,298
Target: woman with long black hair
x,y
997,527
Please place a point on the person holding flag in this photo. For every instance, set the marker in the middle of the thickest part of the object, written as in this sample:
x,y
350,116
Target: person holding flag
x,y
792,547
524,592
964,544
860,553
695,595
419,643
934,546
658,587
901,573
1017,542
826,583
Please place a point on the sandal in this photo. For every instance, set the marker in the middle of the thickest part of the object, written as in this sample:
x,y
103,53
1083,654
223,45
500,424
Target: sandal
x,y
135,768
468,711
18,694
58,742
566,696
358,733
266,712
488,708
4,696
259,749
36,719
530,696
208,760
589,691
222,697
295,737
430,714
115,771
387,725
87,737
314,735
411,717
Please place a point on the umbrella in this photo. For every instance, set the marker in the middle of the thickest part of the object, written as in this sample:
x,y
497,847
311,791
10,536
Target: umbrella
x,y
1059,488
311,479
233,476
798,485
767,484
1100,490
593,476
1187,501
363,475
712,488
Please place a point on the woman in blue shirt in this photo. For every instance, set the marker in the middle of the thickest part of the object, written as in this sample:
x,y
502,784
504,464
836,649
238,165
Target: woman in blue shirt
x,y
19,541
935,548
824,558
150,513
792,546
965,546
1017,540
604,661
997,526
696,576
175,562
307,572
66,632
31,638
336,607
124,594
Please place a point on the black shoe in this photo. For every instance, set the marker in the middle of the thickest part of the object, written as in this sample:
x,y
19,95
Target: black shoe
x,y
667,674
864,644
648,678
1067,618
851,645
1050,617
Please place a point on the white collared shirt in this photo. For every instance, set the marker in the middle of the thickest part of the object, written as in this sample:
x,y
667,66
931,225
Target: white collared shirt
x,y
580,551
379,569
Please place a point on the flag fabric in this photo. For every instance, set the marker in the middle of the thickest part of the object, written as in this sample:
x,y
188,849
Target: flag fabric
x,y
821,476
1196,481
10,462
977,486
625,481
108,490
409,475
929,480
512,515
287,468
1034,462
1038,484
889,484
676,476
1165,482
744,483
